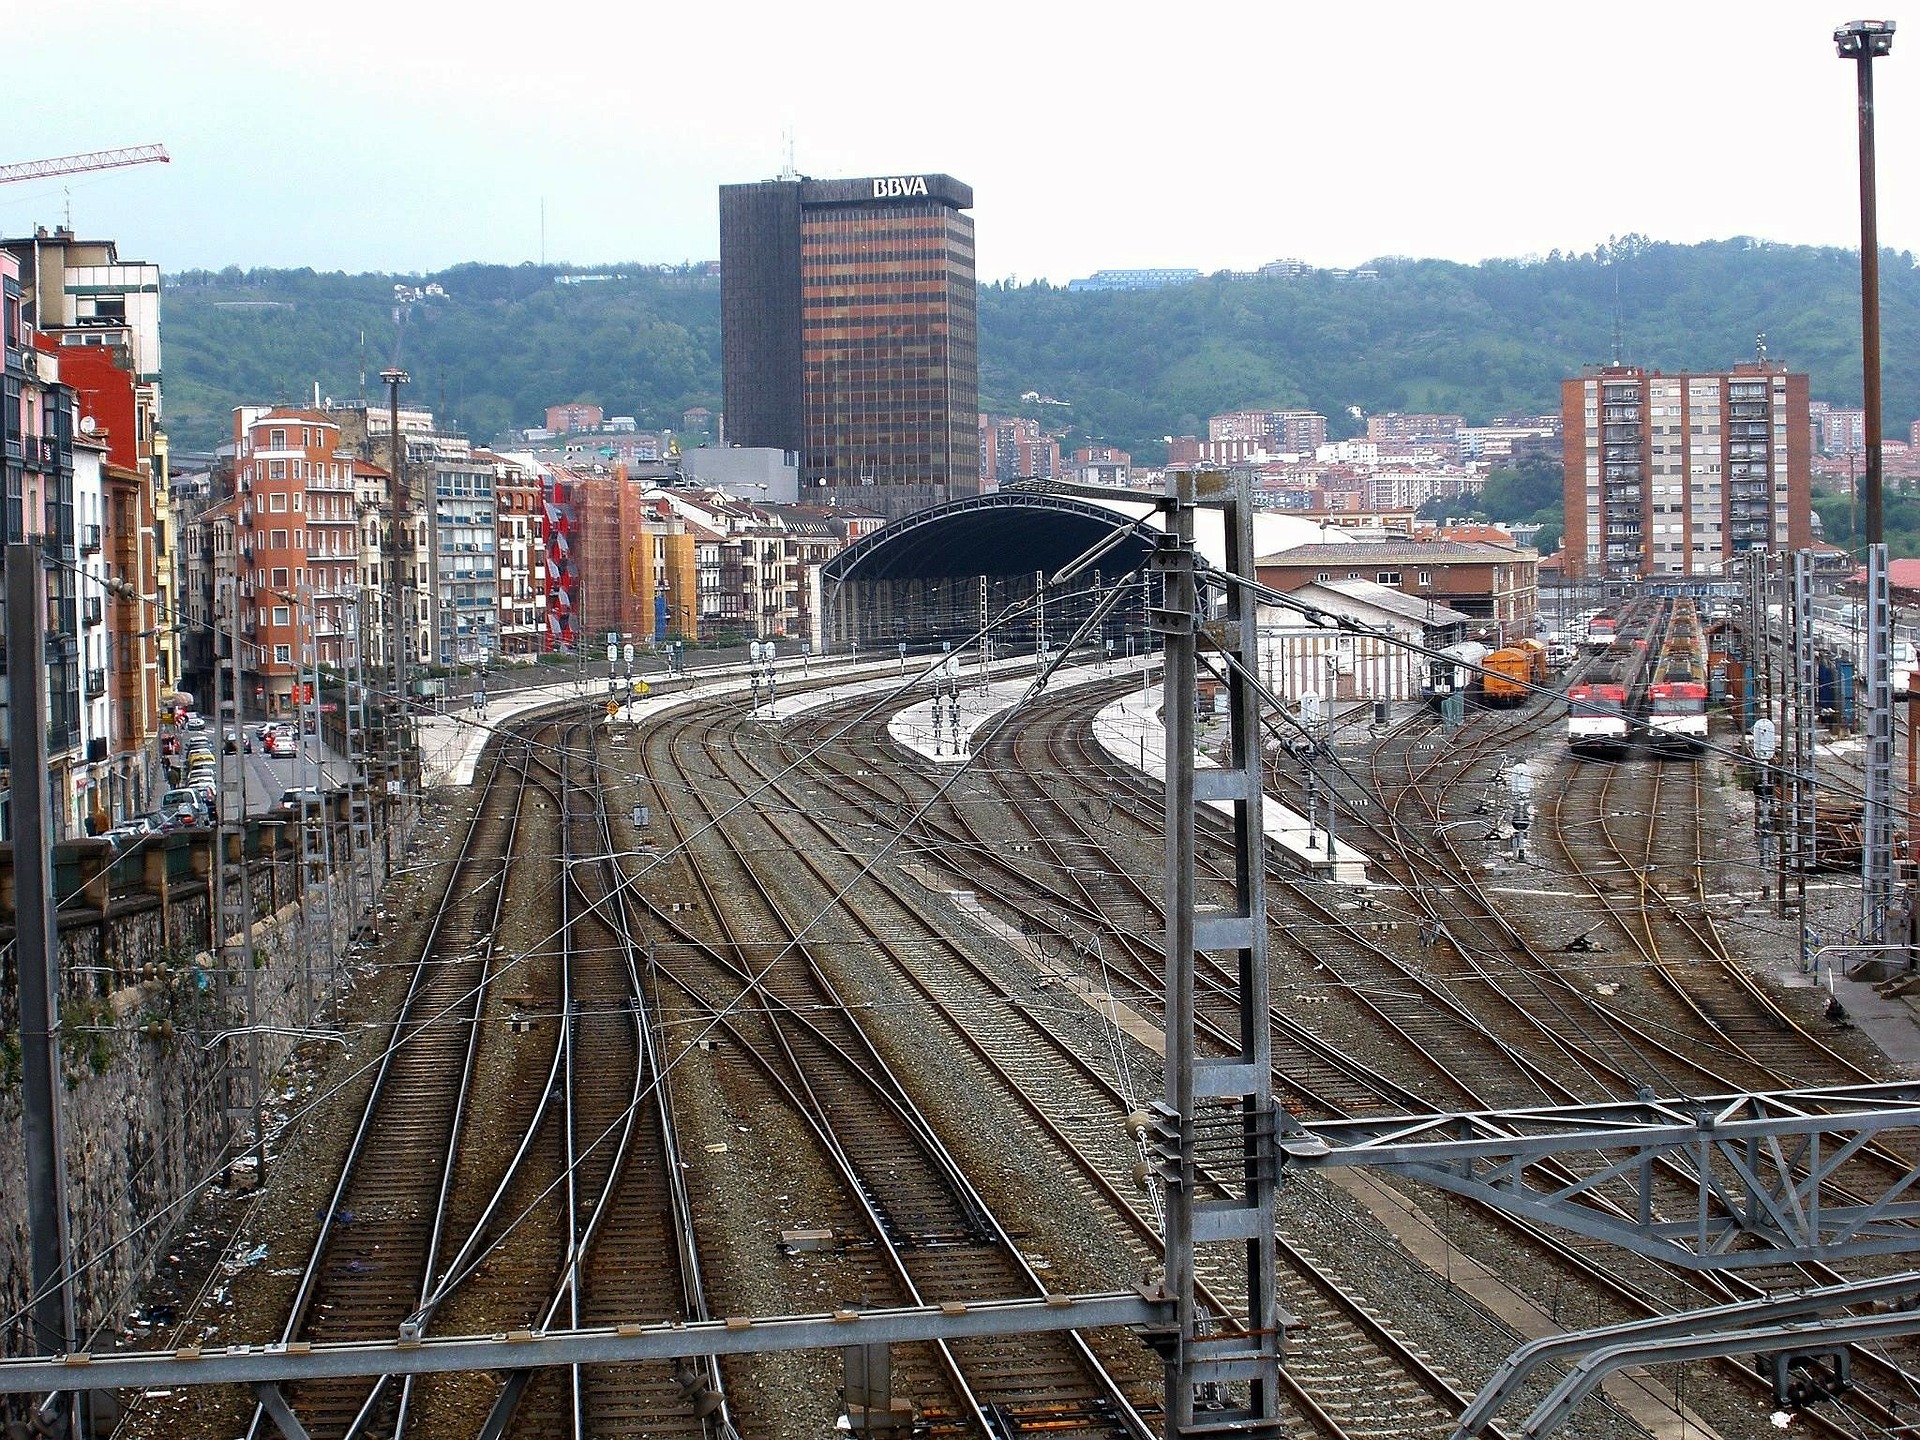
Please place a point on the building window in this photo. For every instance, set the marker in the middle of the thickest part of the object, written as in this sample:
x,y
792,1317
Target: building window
x,y
1387,577
276,469
282,615
279,577
283,654
1323,576
276,439
1425,577
277,502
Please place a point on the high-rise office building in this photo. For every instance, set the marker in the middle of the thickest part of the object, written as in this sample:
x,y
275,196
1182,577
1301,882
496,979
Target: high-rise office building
x,y
848,335
1676,475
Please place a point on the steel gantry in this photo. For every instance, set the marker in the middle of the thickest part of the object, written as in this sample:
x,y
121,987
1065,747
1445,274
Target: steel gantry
x,y
1784,1176
1215,1125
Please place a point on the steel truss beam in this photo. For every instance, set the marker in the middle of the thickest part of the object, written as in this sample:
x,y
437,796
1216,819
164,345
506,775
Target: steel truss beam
x,y
1689,1326
614,1345
1809,1338
1774,1173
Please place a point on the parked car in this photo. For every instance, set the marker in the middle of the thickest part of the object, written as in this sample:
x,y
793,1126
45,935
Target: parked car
x,y
131,831
181,807
290,802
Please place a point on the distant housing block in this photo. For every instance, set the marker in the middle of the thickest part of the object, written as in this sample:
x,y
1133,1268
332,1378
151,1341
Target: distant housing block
x,y
1134,279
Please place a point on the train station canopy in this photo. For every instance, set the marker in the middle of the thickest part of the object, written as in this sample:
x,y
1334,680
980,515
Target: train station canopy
x,y
926,576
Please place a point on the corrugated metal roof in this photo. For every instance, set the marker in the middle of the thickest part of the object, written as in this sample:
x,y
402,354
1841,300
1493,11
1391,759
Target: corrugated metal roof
x,y
1397,602
1399,552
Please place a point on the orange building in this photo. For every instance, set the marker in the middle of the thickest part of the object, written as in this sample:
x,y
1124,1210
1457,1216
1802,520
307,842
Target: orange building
x,y
297,547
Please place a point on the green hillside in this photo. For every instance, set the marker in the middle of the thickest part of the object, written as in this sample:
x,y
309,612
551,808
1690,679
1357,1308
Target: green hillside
x,y
1484,340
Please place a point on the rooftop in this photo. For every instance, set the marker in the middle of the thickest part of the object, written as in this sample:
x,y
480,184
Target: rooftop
x,y
1399,552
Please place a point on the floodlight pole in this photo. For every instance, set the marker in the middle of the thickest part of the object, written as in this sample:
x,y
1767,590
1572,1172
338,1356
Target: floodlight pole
x,y
1863,41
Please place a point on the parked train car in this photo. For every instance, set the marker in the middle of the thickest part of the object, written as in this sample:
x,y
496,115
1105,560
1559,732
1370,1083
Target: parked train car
x,y
1601,629
1598,719
1455,671
1514,672
1673,705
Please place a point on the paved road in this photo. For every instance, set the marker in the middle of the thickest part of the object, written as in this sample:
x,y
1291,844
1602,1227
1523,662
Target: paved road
x,y
268,776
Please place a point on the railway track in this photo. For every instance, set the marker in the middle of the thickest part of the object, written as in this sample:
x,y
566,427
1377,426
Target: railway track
x,y
934,1238
778,905
373,1257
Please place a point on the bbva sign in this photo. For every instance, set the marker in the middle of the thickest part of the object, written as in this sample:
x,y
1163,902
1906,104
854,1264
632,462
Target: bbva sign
x,y
893,187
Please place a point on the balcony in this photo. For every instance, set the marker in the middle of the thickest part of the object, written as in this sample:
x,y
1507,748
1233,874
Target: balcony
x,y
91,608
89,539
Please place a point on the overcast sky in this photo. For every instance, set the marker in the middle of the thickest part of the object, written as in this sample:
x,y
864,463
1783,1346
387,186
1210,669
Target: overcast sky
x,y
414,134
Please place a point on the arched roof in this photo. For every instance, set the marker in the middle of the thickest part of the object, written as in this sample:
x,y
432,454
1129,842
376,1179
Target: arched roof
x,y
1016,532
1013,532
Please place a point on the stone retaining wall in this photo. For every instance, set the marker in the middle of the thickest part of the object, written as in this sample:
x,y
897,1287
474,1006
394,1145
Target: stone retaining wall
x,y
142,1000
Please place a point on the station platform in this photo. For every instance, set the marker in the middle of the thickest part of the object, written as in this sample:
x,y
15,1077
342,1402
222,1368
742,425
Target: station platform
x,y
1129,729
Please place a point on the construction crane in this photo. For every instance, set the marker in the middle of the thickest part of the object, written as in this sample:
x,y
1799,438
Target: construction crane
x,y
92,160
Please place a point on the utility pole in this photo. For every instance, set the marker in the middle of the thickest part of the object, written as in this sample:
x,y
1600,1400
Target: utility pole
x,y
316,859
400,622
233,900
1806,703
361,889
36,952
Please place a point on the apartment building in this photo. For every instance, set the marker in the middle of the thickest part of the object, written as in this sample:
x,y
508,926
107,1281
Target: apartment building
x,y
462,596
1286,432
625,559
1101,465
79,295
126,606
1014,447
758,566
1394,431
289,531
521,555
1679,475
